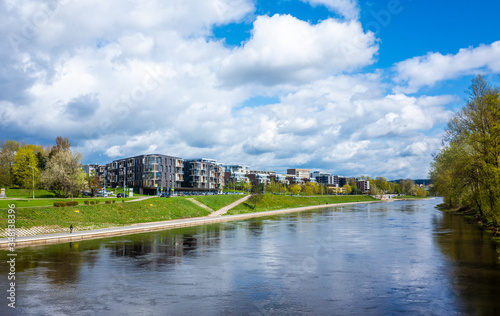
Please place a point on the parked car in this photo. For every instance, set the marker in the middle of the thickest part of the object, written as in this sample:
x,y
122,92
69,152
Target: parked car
x,y
121,195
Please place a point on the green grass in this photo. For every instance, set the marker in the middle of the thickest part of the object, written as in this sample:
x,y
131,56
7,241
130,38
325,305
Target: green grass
x,y
275,202
106,215
18,193
4,203
216,202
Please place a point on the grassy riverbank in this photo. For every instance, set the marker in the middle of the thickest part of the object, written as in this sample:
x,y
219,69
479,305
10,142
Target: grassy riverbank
x,y
216,202
276,202
105,215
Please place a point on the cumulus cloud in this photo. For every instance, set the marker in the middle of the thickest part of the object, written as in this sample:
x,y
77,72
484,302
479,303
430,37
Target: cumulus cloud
x,y
123,79
284,49
417,72
346,8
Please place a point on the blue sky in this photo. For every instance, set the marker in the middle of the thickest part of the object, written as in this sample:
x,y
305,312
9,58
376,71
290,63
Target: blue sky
x,y
343,86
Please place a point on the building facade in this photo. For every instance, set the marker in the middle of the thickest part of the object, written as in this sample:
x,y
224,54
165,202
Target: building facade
x,y
203,175
146,174
301,173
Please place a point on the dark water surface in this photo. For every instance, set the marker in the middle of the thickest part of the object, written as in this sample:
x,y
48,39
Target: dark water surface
x,y
385,258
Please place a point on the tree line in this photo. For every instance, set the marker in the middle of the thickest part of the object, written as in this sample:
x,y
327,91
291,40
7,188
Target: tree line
x,y
378,186
466,172
55,168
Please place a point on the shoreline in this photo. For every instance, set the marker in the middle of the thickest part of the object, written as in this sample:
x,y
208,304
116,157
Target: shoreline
x,y
138,228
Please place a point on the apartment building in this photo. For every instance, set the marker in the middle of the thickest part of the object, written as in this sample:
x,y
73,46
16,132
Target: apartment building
x,y
301,173
146,174
363,186
203,175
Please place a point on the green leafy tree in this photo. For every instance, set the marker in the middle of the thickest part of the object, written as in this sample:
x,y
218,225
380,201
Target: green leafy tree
x,y
21,171
256,199
7,153
467,171
294,189
346,189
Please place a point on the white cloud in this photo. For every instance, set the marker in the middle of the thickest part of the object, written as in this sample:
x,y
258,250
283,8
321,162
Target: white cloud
x,y
417,72
284,49
123,79
347,8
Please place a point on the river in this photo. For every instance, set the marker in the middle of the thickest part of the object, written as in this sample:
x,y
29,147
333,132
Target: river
x,y
369,259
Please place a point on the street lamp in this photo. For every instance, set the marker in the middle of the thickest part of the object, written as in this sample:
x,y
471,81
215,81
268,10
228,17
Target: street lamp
x,y
33,169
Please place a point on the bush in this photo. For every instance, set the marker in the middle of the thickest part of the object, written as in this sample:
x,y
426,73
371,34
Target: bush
x,y
96,201
114,201
123,201
108,202
86,202
92,202
63,203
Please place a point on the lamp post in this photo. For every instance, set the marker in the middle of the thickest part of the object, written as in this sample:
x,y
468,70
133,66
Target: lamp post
x,y
33,169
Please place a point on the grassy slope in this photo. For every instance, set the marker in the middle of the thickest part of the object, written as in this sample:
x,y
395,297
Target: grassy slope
x,y
216,202
157,209
4,204
276,202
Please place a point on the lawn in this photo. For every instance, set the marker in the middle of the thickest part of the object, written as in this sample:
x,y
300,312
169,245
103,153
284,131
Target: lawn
x,y
4,203
106,215
216,202
275,202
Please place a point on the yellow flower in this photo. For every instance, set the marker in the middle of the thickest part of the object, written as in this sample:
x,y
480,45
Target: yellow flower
x,y
150,204
77,211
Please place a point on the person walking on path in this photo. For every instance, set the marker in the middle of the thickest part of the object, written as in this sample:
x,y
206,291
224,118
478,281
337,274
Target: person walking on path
x,y
70,228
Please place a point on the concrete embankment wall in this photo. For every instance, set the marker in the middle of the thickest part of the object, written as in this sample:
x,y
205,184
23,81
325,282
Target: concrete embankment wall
x,y
148,227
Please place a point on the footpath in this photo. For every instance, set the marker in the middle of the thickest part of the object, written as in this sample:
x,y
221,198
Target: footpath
x,y
154,226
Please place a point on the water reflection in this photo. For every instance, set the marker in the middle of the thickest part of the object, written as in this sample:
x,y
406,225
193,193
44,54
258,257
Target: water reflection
x,y
363,259
474,273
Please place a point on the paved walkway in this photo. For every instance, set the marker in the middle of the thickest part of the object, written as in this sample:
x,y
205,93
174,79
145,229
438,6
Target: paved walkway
x,y
228,207
147,227
200,204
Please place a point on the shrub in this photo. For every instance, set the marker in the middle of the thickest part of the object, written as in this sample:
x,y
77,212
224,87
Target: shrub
x,y
92,202
86,202
96,201
123,201
108,202
71,203
114,201
59,204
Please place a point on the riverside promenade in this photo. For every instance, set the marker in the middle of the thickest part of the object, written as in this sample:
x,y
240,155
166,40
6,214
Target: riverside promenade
x,y
152,226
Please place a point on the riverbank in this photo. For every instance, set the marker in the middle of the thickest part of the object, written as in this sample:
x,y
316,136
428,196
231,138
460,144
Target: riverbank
x,y
152,226
473,216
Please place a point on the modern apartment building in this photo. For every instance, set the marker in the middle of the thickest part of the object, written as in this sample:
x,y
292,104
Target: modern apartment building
x,y
203,175
301,173
146,174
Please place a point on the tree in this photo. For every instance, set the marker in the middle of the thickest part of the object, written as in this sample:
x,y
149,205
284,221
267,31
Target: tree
x,y
94,183
247,186
64,175
7,153
467,171
346,189
22,173
256,199
294,189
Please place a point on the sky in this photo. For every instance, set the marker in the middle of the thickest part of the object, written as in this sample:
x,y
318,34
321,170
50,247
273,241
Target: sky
x,y
343,86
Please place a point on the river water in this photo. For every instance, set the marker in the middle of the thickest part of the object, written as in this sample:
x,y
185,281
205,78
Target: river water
x,y
369,259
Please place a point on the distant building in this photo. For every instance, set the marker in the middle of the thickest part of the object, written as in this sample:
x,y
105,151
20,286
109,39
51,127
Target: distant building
x,y
321,177
363,186
279,178
301,173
